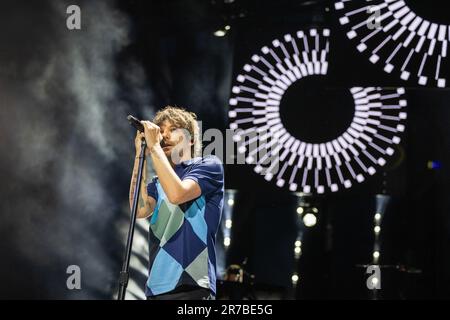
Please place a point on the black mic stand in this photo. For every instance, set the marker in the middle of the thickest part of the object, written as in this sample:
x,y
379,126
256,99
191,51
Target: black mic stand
x,y
125,274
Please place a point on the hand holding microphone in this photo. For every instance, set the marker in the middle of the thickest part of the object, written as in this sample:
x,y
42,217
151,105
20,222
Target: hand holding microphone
x,y
135,123
148,130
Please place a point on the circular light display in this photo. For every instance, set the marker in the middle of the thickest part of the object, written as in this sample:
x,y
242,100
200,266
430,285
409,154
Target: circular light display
x,y
396,37
378,121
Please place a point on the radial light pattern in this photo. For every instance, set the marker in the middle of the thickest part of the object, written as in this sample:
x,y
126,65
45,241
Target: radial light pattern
x,y
378,121
398,39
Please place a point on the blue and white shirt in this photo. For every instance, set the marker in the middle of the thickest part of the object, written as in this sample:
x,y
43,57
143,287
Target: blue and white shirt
x,y
182,237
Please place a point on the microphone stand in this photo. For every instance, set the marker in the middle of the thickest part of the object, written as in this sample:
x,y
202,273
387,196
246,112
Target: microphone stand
x,y
125,274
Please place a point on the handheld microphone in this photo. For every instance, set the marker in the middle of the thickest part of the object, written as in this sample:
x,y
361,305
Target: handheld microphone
x,y
139,126
135,123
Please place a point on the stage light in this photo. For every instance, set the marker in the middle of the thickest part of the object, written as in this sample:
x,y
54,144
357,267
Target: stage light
x,y
227,241
227,27
297,250
298,243
407,44
309,220
220,33
228,223
310,167
374,281
377,229
433,165
300,210
230,202
294,278
376,254
377,217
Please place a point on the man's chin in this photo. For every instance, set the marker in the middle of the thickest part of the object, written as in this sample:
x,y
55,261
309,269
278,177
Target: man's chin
x,y
168,152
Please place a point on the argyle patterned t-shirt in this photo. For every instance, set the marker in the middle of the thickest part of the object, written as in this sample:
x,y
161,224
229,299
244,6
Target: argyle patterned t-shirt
x,y
182,237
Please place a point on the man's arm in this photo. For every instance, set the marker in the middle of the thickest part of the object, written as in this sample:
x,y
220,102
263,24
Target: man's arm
x,y
146,204
178,191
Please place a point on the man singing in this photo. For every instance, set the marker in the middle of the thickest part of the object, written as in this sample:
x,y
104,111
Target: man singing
x,y
184,202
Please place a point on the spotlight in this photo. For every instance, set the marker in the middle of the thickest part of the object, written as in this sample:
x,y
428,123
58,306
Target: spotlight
x,y
298,250
228,223
433,165
294,278
298,243
227,27
376,254
377,229
300,210
309,220
374,281
230,202
226,241
220,33
377,217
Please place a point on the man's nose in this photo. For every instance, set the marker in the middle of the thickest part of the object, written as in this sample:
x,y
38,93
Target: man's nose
x,y
166,134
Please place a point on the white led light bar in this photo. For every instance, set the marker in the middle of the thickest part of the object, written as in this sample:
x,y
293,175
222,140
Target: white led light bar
x,y
398,39
331,166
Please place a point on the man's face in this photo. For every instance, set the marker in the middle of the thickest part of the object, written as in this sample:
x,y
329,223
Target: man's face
x,y
174,140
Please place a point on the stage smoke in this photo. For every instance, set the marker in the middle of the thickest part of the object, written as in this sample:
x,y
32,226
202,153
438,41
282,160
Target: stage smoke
x,y
66,147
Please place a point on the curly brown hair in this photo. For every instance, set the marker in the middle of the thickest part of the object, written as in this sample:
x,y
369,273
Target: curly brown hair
x,y
183,119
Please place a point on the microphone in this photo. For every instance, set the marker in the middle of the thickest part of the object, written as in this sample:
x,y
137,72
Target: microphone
x,y
139,126
135,123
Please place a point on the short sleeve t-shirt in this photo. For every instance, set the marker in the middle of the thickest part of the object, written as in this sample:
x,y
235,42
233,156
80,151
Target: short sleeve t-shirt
x,y
182,237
